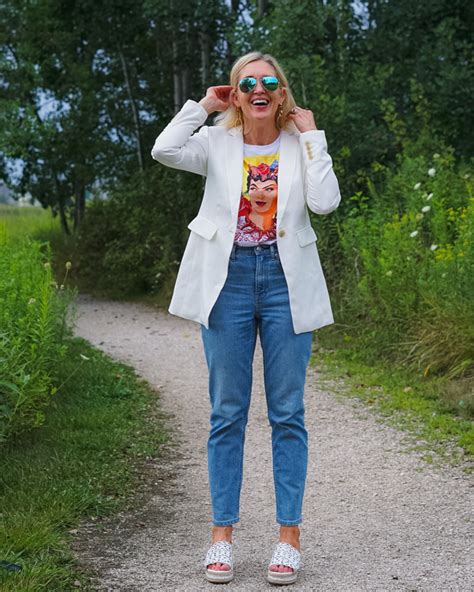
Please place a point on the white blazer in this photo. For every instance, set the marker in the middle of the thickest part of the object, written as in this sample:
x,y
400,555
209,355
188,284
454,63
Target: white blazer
x,y
305,179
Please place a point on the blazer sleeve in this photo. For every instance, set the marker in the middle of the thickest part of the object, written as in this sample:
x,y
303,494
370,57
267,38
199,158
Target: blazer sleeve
x,y
178,147
320,183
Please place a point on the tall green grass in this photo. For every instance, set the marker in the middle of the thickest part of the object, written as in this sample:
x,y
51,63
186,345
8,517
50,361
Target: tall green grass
x,y
33,326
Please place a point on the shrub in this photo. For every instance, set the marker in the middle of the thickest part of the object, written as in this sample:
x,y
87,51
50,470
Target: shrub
x,y
132,242
409,273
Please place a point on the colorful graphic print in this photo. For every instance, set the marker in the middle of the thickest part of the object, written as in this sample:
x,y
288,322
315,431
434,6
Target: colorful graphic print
x,y
258,203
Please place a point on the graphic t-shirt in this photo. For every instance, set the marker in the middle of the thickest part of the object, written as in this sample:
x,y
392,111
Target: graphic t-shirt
x,y
256,223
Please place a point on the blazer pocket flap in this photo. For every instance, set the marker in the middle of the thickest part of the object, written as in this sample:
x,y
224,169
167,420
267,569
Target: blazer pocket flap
x,y
202,226
306,236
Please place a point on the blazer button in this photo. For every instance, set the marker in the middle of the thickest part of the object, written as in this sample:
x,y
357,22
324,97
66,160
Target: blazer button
x,y
281,232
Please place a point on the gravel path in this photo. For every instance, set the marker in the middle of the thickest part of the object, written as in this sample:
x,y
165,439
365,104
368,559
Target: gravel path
x,y
376,516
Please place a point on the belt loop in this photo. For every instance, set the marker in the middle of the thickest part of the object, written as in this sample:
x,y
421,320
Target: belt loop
x,y
232,253
274,251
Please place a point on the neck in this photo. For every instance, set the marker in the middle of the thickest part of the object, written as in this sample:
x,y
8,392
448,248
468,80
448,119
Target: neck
x,y
260,133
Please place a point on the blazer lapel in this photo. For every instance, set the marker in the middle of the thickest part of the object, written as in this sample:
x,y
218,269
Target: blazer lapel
x,y
233,161
286,169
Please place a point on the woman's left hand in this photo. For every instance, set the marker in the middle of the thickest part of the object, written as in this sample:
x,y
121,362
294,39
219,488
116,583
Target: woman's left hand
x,y
303,119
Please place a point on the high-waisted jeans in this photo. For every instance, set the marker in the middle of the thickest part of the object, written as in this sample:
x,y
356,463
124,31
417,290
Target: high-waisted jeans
x,y
255,298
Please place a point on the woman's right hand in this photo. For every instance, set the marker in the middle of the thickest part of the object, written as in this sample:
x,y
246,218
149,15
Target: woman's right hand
x,y
217,98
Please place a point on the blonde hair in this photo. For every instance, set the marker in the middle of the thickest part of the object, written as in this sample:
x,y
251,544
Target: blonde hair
x,y
231,116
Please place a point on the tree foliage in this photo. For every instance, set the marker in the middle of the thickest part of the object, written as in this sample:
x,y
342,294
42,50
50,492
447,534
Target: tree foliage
x,y
85,86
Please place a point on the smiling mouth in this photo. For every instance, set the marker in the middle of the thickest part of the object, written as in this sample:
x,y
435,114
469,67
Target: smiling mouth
x,y
260,102
261,203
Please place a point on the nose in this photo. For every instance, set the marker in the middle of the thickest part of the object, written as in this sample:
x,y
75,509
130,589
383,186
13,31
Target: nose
x,y
259,86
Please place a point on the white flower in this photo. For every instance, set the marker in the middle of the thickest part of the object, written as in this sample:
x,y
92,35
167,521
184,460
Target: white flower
x,y
443,275
417,186
425,208
467,175
433,247
389,272
84,357
429,196
419,216
31,301
414,233
436,155
431,172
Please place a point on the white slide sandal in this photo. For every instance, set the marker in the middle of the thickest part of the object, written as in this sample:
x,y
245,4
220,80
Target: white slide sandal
x,y
220,552
284,554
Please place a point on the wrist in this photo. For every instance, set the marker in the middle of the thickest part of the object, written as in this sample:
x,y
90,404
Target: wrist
x,y
207,103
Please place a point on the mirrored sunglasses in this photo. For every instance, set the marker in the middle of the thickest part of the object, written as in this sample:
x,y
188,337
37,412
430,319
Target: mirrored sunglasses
x,y
248,83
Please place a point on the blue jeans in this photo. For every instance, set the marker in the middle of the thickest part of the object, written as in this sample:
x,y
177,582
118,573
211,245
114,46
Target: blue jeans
x,y
255,297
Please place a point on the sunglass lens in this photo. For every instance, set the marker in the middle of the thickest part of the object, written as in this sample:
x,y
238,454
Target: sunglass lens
x,y
270,82
247,84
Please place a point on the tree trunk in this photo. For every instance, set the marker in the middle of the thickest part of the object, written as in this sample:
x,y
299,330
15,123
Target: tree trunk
x,y
177,79
62,217
79,205
136,117
205,59
262,8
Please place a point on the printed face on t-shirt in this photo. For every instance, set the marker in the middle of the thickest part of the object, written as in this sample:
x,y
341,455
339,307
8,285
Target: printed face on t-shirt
x,y
263,195
256,221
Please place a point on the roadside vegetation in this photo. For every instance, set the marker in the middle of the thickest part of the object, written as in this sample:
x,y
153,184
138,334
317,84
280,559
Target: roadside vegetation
x,y
76,428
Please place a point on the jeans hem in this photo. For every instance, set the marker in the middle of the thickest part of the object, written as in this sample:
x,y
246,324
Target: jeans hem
x,y
289,522
225,522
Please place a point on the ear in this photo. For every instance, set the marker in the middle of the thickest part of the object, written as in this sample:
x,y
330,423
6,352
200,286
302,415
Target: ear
x,y
234,98
283,95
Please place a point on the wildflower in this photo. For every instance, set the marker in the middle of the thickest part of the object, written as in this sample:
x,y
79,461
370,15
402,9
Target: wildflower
x,y
432,172
436,155
429,196
389,272
61,287
417,186
467,175
414,233
425,209
31,301
84,357
433,247
419,216
47,265
68,265
443,275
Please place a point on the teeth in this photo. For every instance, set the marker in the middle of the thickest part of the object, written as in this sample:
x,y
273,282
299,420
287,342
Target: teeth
x,y
260,102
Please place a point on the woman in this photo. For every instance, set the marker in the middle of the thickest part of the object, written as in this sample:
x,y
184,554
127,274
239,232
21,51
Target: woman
x,y
251,265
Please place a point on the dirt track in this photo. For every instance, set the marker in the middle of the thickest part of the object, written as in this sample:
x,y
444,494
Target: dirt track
x,y
376,517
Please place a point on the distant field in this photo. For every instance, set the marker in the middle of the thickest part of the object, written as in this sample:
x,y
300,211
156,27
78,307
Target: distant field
x,y
27,221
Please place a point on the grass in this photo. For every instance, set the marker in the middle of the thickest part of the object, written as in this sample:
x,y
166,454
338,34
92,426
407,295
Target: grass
x,y
28,221
428,408
83,463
